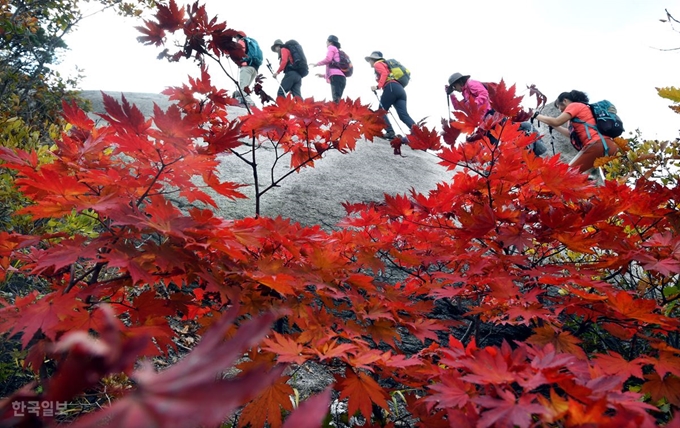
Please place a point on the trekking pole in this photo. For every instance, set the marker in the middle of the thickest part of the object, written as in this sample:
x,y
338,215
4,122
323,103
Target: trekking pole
x,y
271,70
393,118
448,103
552,139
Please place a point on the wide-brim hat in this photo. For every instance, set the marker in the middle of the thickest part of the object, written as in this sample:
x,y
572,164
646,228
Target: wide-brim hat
x,y
456,77
277,42
375,55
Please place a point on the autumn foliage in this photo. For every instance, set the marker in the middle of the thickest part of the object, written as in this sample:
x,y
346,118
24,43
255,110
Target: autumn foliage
x,y
537,298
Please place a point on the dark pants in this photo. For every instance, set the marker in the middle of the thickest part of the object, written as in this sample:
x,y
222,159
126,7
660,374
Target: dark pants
x,y
395,95
291,83
337,87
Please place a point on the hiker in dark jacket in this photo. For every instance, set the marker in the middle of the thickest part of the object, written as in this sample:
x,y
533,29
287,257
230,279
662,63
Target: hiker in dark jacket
x,y
574,105
292,81
333,75
393,93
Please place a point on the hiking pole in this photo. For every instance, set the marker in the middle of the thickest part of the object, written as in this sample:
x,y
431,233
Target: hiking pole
x,y
393,118
552,139
271,70
448,103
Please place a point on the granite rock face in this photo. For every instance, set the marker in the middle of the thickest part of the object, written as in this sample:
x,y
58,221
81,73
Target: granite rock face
x,y
315,195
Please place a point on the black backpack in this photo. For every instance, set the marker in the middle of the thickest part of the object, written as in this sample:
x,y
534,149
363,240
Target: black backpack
x,y
299,60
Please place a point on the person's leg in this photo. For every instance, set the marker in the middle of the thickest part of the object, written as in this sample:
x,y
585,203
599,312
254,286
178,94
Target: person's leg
x,y
337,87
387,99
287,83
246,78
400,105
295,83
585,159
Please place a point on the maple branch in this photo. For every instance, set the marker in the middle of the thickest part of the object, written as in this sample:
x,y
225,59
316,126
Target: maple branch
x,y
292,171
217,60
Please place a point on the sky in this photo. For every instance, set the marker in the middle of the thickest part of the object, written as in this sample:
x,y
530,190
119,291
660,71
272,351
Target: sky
x,y
610,49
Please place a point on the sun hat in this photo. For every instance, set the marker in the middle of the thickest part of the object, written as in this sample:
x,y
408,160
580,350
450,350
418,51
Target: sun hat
x,y
277,42
456,77
375,55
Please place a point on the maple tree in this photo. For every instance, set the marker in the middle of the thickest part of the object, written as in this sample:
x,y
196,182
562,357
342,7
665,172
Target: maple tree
x,y
536,298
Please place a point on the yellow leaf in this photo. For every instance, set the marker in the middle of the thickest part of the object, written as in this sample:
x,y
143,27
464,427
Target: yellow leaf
x,y
672,93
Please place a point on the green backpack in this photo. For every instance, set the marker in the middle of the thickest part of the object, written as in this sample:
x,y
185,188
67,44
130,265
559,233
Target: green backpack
x,y
400,73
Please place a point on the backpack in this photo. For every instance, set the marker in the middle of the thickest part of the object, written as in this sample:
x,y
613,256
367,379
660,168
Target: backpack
x,y
607,123
344,64
606,119
299,60
253,56
398,71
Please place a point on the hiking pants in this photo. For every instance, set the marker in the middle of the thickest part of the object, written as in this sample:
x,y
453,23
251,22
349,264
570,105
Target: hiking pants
x,y
337,87
585,158
246,78
394,95
291,83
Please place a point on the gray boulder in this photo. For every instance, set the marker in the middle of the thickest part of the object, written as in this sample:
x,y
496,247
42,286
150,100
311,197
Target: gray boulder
x,y
314,195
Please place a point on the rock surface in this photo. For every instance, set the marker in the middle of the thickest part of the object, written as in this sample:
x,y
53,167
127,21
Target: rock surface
x,y
315,195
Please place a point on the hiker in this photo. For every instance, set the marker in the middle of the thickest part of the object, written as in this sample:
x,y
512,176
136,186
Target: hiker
x,y
247,68
468,88
333,75
292,80
393,94
582,129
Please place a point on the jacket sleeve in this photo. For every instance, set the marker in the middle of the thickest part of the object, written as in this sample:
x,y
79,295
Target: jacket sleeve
x,y
285,59
330,56
383,73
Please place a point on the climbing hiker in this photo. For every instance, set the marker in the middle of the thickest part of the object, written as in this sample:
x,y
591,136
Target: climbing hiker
x,y
334,75
293,65
582,129
393,94
247,67
469,89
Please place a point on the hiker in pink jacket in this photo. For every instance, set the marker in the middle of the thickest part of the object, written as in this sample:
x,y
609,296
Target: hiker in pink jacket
x,y
468,88
333,75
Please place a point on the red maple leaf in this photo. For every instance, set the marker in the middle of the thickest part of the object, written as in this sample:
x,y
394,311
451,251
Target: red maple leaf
x,y
422,138
286,349
659,388
508,411
267,407
170,17
615,364
169,398
361,390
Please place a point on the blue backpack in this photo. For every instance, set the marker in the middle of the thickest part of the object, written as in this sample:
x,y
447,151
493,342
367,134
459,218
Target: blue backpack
x,y
253,56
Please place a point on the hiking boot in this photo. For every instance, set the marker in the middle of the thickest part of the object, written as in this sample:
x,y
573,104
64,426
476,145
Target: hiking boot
x,y
389,136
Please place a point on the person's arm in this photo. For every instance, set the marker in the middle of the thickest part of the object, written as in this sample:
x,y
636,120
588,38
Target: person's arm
x,y
383,73
285,58
330,54
556,122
